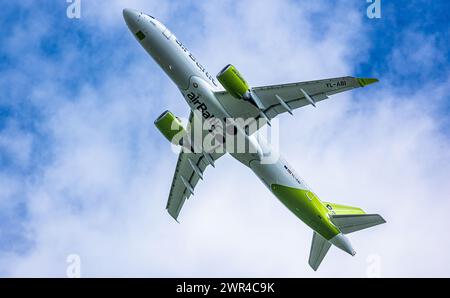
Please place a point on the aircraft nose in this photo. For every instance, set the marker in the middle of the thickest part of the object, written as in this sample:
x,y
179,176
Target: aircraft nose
x,y
131,17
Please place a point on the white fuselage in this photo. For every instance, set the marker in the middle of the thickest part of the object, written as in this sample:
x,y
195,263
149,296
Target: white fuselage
x,y
195,82
198,87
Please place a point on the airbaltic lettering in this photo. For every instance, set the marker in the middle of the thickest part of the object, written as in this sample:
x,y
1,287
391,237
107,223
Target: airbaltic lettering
x,y
207,74
194,99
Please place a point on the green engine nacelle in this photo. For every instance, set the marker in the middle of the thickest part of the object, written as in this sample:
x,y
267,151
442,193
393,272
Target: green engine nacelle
x,y
170,127
233,82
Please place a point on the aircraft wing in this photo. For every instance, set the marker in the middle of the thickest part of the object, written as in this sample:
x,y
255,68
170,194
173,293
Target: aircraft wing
x,y
189,170
278,99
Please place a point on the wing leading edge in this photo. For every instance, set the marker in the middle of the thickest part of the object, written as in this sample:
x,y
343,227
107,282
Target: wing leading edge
x,y
188,172
278,99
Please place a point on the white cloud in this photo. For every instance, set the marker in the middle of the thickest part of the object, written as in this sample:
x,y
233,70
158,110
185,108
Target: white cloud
x,y
103,194
15,146
417,55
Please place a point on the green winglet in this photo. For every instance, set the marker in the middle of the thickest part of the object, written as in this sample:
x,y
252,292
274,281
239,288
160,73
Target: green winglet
x,y
366,81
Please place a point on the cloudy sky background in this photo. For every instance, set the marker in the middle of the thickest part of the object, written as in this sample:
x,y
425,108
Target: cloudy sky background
x,y
83,170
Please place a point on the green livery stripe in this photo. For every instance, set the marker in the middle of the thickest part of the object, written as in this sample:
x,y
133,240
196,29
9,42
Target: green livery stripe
x,y
366,81
306,206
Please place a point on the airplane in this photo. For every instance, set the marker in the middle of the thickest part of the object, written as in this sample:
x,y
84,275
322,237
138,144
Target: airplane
x,y
212,99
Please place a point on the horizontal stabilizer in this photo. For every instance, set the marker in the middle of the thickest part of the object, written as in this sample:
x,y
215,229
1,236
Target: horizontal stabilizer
x,y
356,222
319,248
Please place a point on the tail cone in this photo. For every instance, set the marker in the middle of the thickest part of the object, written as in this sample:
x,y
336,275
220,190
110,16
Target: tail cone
x,y
343,243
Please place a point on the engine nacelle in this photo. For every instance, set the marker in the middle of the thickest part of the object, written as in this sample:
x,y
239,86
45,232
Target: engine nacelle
x,y
233,82
171,127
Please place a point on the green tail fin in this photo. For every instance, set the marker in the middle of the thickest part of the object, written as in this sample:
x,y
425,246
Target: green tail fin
x,y
336,209
348,220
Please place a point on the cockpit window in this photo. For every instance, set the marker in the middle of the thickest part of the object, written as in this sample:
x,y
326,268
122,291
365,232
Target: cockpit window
x,y
150,19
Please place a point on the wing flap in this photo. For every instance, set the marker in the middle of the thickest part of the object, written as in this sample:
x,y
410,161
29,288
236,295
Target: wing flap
x,y
185,179
296,94
188,172
292,94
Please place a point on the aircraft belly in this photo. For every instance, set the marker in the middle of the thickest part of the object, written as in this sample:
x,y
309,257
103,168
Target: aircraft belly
x,y
202,100
307,207
168,57
295,195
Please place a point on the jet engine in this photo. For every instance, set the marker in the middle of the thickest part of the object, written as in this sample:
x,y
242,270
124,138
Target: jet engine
x,y
233,82
171,127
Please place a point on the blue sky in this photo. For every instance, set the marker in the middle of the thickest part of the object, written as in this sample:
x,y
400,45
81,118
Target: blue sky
x,y
82,168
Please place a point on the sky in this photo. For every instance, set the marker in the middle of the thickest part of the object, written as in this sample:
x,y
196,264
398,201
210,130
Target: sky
x,y
83,171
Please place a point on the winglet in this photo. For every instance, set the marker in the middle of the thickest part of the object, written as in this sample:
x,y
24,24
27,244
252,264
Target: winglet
x,y
366,81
